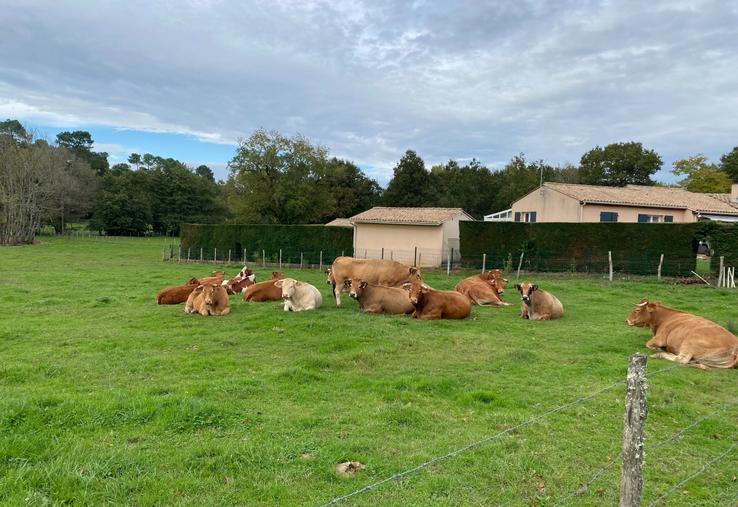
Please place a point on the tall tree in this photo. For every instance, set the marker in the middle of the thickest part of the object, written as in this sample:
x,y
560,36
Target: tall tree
x,y
472,187
411,183
277,179
729,164
80,143
619,164
350,189
205,172
14,131
135,159
700,176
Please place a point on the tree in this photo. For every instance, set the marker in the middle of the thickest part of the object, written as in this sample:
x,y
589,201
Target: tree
x,y
135,159
701,176
277,179
411,183
148,160
350,189
14,131
619,164
205,172
80,143
472,187
729,164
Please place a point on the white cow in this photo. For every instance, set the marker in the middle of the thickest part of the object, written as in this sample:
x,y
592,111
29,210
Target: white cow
x,y
299,296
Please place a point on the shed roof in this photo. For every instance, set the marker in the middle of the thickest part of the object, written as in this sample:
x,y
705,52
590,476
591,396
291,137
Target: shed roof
x,y
410,216
649,196
340,222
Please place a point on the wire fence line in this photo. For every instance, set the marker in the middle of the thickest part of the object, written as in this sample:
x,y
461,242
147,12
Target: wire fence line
x,y
584,487
539,417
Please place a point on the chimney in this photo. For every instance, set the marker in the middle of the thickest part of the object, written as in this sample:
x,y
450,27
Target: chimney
x,y
734,192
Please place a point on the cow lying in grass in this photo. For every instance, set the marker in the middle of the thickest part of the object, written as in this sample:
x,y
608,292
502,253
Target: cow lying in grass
x,y
240,282
264,291
299,296
177,294
378,271
209,299
537,303
433,304
374,298
484,289
685,338
216,277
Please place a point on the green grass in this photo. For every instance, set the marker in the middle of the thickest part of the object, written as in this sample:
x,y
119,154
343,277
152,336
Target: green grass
x,y
107,398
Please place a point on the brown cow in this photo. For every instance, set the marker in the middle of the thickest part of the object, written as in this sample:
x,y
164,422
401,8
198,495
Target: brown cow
x,y
380,272
537,303
484,289
374,298
240,282
209,299
264,291
437,304
685,338
177,294
216,277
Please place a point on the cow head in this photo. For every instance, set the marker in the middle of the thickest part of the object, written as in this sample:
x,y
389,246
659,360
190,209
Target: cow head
x,y
416,291
245,271
208,292
355,287
414,275
330,280
193,281
526,289
277,275
641,315
288,286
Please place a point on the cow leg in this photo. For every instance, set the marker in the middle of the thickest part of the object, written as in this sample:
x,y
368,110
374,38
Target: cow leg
x,y
337,292
665,355
226,310
204,312
655,343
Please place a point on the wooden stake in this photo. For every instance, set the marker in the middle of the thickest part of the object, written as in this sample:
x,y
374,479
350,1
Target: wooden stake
x,y
631,477
661,262
520,263
484,262
609,260
720,272
448,264
300,260
321,261
280,259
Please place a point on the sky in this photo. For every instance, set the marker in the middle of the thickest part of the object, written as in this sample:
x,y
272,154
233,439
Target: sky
x,y
371,79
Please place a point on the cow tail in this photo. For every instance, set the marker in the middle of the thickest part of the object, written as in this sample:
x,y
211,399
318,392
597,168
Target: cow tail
x,y
727,359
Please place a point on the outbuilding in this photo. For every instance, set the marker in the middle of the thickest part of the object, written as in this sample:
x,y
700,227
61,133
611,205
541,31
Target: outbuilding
x,y
424,237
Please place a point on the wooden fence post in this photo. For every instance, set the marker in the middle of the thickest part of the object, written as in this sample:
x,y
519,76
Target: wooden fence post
x,y
484,262
200,254
229,256
520,263
244,256
188,254
609,260
661,262
300,260
280,259
631,477
448,264
415,257
164,252
321,260
382,253
263,258
721,274
215,254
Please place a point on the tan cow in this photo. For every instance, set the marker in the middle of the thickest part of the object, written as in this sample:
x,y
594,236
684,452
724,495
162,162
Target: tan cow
x,y
685,338
374,298
299,296
484,289
209,299
538,304
264,291
216,277
380,272
177,294
433,304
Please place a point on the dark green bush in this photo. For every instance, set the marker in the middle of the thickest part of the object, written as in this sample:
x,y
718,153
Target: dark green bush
x,y
309,240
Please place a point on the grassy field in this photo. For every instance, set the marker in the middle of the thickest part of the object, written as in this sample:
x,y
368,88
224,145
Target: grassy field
x,y
107,398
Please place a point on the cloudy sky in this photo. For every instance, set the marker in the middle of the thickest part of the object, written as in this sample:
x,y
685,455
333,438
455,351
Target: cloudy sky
x,y
371,79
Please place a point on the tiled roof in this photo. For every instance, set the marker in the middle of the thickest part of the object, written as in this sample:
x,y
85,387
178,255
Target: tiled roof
x,y
339,222
650,196
420,216
725,198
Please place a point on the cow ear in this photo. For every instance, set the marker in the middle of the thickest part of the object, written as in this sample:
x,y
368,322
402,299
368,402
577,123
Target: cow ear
x,y
278,283
518,287
347,282
362,285
198,288
413,270
407,286
650,307
533,287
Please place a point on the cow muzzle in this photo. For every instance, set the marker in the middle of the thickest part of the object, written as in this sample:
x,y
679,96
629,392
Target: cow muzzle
x,y
354,295
525,299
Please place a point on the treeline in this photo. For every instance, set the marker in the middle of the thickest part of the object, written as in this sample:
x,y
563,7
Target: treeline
x,y
276,179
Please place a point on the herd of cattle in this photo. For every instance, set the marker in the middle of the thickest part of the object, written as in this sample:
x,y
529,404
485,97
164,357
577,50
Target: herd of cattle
x,y
386,286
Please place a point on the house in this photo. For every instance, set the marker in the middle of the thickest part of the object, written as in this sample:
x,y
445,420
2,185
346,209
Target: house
x,y
565,202
415,236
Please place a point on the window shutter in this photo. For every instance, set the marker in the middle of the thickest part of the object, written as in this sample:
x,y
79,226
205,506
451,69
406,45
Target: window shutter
x,y
614,217
668,218
517,216
608,216
532,216
642,218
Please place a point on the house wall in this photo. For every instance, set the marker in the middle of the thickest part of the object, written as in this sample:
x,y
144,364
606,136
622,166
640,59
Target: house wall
x,y
451,234
399,242
591,213
549,205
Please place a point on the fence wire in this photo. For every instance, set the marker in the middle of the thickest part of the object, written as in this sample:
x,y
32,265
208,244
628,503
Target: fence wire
x,y
472,445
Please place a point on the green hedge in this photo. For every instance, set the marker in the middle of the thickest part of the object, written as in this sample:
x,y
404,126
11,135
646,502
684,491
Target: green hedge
x,y
293,240
723,239
635,248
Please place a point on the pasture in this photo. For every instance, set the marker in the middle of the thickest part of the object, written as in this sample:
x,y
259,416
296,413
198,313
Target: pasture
x,y
106,397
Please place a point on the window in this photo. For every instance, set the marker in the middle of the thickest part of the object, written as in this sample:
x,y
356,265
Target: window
x,y
608,216
525,216
654,219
